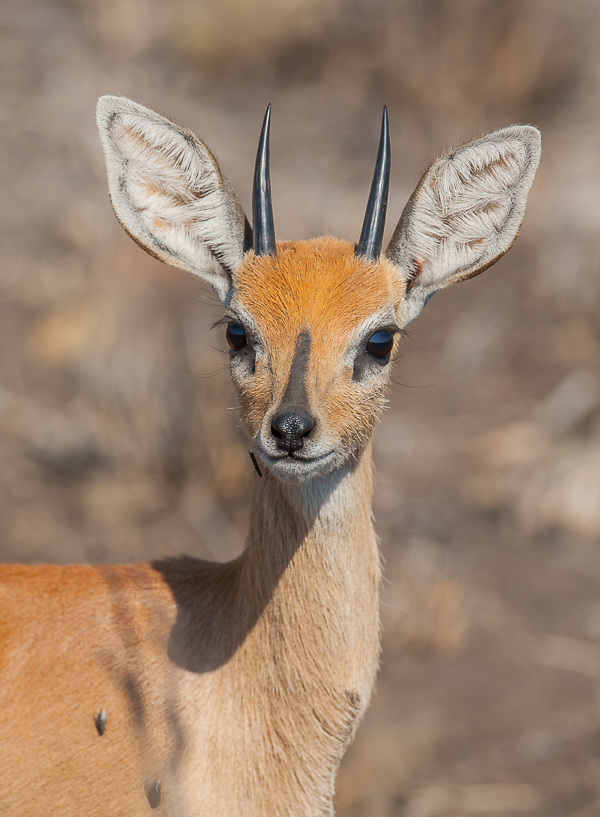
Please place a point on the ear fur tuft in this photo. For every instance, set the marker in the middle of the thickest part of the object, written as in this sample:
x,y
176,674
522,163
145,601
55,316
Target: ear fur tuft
x,y
169,194
465,213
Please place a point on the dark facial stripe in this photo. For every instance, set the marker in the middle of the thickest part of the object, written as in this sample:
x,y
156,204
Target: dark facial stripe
x,y
295,391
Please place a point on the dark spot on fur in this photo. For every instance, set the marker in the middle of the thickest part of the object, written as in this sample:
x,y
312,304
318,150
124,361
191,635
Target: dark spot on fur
x,y
154,794
101,722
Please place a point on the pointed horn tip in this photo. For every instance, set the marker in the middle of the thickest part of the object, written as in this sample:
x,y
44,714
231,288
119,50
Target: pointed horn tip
x,y
262,210
371,237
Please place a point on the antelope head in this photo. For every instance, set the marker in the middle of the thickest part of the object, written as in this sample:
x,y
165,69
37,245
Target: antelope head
x,y
312,326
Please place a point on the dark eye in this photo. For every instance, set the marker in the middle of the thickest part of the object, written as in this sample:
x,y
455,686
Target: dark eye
x,y
236,337
380,344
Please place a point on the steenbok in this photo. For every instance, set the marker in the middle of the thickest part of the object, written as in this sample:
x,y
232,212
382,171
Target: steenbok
x,y
202,689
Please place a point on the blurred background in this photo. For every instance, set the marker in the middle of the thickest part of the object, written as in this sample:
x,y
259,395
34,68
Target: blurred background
x,y
118,433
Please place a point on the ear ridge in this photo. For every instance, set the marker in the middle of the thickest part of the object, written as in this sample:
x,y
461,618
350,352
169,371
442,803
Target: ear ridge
x,y
465,212
169,193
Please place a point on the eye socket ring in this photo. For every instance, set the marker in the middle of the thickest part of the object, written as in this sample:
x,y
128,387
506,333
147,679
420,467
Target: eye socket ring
x,y
380,345
235,336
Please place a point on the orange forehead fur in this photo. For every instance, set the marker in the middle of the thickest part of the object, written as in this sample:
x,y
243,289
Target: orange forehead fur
x,y
315,284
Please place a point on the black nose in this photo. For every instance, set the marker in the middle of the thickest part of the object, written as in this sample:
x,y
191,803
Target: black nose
x,y
290,428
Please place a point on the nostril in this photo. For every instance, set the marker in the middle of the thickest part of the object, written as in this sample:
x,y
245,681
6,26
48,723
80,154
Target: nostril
x,y
290,428
306,428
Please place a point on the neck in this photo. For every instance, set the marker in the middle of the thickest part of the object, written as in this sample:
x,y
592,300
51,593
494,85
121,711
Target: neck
x,y
284,644
310,548
323,522
310,578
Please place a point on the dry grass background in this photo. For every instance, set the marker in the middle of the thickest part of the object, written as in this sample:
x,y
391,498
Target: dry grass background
x,y
118,432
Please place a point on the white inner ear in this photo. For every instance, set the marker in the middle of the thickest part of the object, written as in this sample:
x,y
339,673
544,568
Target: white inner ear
x,y
466,211
168,192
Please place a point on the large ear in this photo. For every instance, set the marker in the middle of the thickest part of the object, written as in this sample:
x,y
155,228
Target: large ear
x,y
169,194
464,214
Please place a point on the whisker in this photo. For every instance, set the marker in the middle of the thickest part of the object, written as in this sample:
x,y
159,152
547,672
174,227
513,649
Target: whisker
x,y
205,375
220,351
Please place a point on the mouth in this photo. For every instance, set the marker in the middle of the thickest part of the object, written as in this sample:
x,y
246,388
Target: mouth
x,y
296,467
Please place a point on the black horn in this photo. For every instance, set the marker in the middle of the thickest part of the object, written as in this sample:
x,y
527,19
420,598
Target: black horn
x,y
262,209
369,244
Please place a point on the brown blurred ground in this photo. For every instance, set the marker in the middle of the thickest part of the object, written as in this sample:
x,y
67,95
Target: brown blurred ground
x,y
116,438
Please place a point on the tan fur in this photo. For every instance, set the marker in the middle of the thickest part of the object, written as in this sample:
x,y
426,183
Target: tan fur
x,y
238,685
320,286
234,689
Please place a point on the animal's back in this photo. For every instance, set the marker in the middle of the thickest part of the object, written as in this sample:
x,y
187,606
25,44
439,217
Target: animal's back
x,y
76,640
